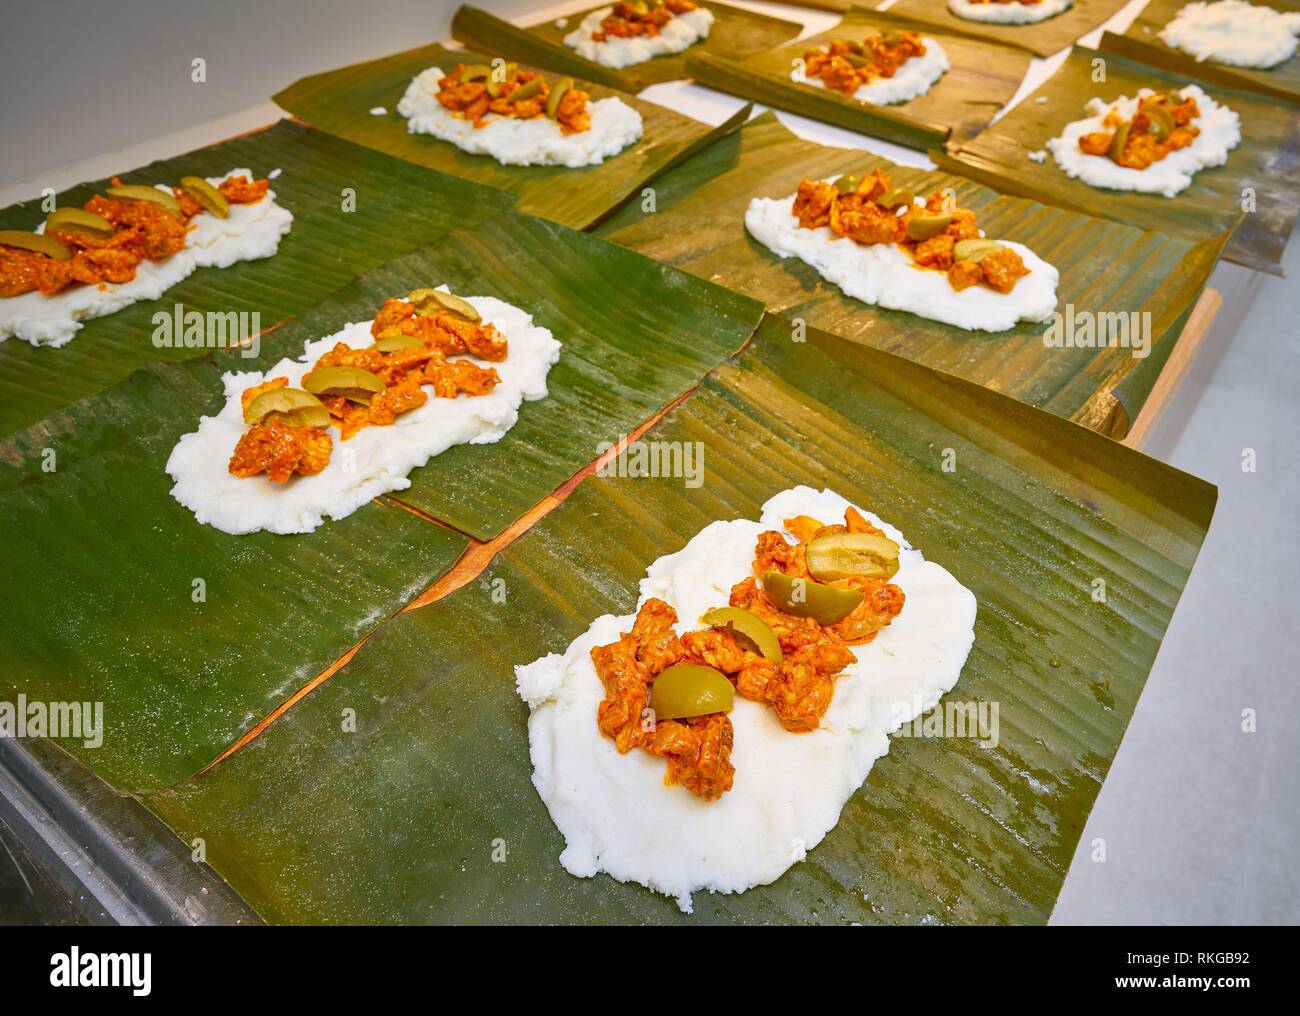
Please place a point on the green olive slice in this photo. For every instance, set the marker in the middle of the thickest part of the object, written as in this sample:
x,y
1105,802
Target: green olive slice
x,y
689,689
46,245
431,301
353,383
749,626
1160,119
975,249
526,91
847,555
205,194
391,342
896,196
557,93
78,220
846,184
856,59
291,406
922,227
474,72
806,598
139,192
1119,141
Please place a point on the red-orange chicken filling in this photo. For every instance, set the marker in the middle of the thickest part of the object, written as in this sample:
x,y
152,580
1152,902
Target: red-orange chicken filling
x,y
141,230
799,688
524,95
1162,124
846,64
859,214
442,336
640,17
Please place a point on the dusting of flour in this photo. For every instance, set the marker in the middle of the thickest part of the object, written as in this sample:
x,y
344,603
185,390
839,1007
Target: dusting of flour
x,y
375,460
614,810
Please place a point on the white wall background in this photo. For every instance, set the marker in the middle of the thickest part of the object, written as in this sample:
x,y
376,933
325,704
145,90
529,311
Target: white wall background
x,y
81,77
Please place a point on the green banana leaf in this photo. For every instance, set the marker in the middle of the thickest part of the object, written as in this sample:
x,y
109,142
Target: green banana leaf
x,y
736,33
698,225
1142,43
1260,168
400,820
340,101
1044,38
102,561
982,79
101,565
398,207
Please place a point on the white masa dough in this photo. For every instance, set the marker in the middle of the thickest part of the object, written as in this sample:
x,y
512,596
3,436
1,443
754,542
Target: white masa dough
x,y
251,232
1234,33
884,275
514,142
1014,13
1220,133
615,812
682,32
912,79
375,460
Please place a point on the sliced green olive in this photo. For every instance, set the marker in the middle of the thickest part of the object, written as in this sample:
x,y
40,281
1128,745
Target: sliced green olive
x,y
353,383
688,689
430,301
474,72
391,342
292,406
1119,141
846,555
922,227
497,81
846,184
206,195
527,90
139,192
805,598
896,196
46,245
557,93
856,59
639,7
1162,121
78,220
976,249
749,626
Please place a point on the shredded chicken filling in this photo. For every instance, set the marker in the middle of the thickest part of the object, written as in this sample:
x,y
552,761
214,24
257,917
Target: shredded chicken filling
x,y
141,230
859,216
846,64
1146,139
479,100
628,20
799,688
281,450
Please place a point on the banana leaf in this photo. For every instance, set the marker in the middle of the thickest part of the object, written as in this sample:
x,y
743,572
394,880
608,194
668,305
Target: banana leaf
x,y
1043,39
1259,170
1142,43
636,335
115,594
102,561
399,820
399,207
982,79
736,33
698,225
340,101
